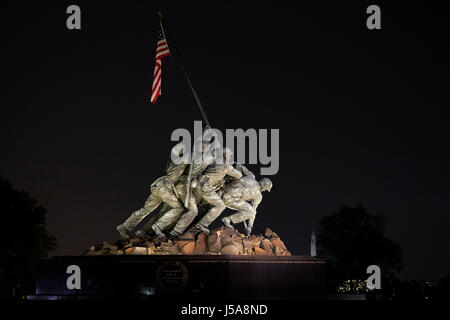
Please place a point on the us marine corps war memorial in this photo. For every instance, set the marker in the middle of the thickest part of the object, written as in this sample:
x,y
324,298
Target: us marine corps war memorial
x,y
167,247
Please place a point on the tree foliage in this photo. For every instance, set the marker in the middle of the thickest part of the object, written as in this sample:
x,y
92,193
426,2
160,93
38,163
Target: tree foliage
x,y
352,239
24,239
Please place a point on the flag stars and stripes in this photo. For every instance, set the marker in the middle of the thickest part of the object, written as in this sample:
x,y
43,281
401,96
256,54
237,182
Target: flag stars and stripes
x,y
162,51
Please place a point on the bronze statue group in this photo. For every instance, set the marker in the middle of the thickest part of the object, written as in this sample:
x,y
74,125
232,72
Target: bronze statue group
x,y
213,183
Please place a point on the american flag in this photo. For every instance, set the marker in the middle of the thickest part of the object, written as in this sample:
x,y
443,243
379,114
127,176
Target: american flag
x,y
162,51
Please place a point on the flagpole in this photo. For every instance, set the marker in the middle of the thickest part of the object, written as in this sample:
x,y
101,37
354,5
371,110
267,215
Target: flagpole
x,y
163,25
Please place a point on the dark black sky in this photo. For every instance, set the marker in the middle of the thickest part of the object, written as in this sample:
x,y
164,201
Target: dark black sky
x,y
363,115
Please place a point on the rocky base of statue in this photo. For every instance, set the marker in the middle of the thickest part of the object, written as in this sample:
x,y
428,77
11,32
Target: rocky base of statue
x,y
221,241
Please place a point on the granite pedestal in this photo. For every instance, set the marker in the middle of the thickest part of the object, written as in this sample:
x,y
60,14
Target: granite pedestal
x,y
105,277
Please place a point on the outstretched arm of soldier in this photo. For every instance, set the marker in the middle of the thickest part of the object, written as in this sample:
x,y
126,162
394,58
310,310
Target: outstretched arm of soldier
x,y
249,222
243,169
257,201
232,172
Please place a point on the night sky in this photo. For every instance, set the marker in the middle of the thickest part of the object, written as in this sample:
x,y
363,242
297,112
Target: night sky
x,y
363,115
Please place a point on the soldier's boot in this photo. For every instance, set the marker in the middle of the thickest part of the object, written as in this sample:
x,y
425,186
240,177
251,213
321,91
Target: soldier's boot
x,y
160,238
202,228
132,221
193,230
174,234
157,230
227,222
141,233
248,231
123,231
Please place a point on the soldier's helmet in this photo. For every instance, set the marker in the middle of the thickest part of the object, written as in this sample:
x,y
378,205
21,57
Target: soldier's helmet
x,y
178,150
266,184
227,155
176,154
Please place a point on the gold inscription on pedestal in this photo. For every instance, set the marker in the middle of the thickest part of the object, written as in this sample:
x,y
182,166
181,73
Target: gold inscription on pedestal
x,y
172,275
